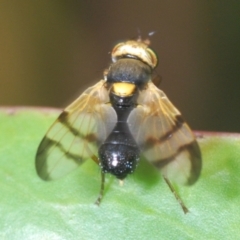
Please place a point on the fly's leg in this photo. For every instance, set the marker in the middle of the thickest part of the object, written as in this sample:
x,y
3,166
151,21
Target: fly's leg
x,y
184,208
98,201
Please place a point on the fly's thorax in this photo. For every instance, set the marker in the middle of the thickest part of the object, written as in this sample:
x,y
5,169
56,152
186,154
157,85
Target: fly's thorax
x,y
129,70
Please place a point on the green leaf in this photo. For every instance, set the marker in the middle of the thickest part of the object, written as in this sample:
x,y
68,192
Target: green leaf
x,y
144,208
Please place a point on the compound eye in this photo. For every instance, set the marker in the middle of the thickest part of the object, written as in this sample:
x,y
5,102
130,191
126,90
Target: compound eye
x,y
153,57
115,49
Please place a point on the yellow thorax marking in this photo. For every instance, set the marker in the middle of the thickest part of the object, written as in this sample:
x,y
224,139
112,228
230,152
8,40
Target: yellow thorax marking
x,y
123,89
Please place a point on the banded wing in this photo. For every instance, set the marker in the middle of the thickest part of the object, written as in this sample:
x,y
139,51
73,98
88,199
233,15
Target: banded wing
x,y
164,138
76,134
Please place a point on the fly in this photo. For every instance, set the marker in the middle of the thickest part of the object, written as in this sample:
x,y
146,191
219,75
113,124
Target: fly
x,y
119,119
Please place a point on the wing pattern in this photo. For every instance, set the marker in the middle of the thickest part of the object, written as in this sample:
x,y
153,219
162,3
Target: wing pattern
x,y
163,136
76,134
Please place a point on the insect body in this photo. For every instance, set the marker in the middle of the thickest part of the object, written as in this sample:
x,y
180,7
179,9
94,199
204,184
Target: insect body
x,y
118,119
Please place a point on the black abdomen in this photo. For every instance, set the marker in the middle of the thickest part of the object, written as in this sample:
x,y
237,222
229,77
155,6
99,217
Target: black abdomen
x,y
119,154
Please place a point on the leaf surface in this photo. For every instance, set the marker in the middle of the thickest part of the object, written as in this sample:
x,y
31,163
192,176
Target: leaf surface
x,y
143,208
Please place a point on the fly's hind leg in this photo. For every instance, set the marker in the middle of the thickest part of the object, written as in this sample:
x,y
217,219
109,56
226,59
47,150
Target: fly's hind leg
x,y
98,201
184,208
100,195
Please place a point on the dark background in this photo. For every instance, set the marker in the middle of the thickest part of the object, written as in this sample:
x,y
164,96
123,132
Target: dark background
x,y
50,51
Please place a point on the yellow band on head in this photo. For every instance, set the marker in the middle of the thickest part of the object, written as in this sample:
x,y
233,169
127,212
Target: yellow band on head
x,y
123,89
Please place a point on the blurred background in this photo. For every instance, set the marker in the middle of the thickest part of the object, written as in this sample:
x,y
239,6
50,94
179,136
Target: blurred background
x,y
50,51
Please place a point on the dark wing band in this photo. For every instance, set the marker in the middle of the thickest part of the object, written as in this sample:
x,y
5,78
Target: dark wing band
x,y
163,136
76,134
